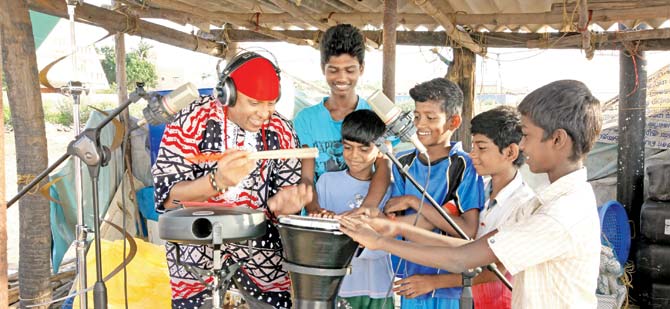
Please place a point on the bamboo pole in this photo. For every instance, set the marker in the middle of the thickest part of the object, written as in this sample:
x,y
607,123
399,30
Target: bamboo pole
x,y
20,67
389,52
583,28
3,203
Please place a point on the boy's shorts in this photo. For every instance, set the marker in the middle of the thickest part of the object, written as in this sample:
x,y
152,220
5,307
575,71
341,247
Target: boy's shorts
x,y
430,303
366,302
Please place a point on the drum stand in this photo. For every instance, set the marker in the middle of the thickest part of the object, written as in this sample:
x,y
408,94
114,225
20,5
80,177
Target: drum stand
x,y
466,295
87,147
222,274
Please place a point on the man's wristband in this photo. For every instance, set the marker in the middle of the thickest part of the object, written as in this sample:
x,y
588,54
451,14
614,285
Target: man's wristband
x,y
212,182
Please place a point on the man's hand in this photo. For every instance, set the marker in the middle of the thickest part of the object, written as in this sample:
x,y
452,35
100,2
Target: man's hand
x,y
400,203
290,200
415,286
360,232
233,167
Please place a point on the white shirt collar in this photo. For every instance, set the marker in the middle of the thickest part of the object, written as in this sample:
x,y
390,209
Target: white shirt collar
x,y
562,186
509,189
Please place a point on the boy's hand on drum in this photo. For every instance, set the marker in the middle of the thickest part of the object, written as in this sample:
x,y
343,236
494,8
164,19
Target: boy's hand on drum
x,y
360,232
401,203
322,213
290,200
415,286
363,211
233,167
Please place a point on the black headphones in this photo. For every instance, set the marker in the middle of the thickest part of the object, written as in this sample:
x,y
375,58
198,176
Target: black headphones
x,y
225,89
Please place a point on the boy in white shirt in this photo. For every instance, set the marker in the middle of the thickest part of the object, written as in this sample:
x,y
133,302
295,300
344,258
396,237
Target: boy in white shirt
x,y
496,135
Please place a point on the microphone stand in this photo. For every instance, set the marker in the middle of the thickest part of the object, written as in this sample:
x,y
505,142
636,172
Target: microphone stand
x,y
466,295
86,146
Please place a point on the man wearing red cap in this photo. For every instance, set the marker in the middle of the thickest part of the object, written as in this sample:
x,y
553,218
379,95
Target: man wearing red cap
x,y
246,124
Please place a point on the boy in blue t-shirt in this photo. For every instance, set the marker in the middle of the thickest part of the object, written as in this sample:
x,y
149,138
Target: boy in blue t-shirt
x,y
453,182
343,191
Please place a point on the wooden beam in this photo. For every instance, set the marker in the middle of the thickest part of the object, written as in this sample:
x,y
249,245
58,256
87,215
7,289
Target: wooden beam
x,y
298,12
355,5
608,5
114,21
656,39
602,38
495,20
389,52
454,33
241,20
555,18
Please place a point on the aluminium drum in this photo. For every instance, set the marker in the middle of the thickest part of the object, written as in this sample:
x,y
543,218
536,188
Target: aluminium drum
x,y
195,225
317,255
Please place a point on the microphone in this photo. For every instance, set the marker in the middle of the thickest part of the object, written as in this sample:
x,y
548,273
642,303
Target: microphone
x,y
398,123
161,109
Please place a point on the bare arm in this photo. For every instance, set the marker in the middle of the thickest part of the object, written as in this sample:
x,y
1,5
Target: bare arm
x,y
452,254
452,259
456,280
308,172
468,221
379,183
197,190
231,169
427,237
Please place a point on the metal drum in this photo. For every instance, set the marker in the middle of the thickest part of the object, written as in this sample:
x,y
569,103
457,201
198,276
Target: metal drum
x,y
317,256
195,225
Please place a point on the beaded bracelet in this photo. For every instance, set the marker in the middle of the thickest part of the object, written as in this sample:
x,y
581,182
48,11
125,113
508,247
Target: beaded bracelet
x,y
212,182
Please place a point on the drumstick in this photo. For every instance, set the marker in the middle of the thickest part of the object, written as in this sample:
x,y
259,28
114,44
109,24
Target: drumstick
x,y
299,153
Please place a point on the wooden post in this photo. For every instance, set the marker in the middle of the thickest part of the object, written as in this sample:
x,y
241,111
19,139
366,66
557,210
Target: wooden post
x,y
632,122
388,70
4,296
462,72
20,67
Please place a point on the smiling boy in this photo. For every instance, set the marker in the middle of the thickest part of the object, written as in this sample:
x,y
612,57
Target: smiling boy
x,y
552,245
453,180
342,63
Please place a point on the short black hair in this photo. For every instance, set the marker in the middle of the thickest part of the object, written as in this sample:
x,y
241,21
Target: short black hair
x,y
445,92
502,125
362,126
342,39
567,105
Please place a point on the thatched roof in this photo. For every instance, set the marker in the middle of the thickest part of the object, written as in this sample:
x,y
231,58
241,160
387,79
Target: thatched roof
x,y
473,24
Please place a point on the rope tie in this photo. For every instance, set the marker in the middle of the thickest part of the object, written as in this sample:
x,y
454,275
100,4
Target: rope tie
x,y
131,21
257,16
26,179
197,42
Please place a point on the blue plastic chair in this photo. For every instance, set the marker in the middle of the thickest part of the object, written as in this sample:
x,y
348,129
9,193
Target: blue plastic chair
x,y
615,230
